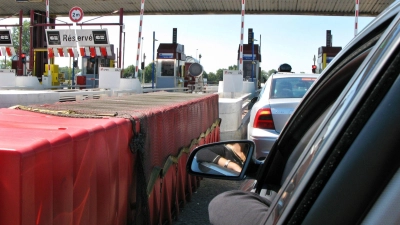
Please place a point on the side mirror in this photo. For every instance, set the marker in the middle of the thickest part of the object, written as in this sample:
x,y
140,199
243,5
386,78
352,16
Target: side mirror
x,y
230,160
252,102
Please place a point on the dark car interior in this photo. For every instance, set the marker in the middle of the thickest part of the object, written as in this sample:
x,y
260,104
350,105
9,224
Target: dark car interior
x,y
366,138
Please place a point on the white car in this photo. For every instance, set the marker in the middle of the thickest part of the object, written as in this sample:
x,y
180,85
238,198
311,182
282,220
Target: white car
x,y
277,100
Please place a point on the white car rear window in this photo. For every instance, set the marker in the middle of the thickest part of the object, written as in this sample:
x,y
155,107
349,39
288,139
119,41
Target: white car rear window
x,y
291,87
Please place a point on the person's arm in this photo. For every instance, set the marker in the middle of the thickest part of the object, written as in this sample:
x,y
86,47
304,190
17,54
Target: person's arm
x,y
215,154
210,154
229,164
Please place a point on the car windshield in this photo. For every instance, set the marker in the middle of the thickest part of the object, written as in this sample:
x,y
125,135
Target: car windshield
x,y
291,87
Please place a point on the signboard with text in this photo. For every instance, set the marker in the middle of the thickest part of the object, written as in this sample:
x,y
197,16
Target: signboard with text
x,y
67,38
248,56
233,81
109,77
5,38
165,55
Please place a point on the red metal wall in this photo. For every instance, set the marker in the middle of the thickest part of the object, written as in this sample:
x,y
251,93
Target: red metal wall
x,y
61,170
57,170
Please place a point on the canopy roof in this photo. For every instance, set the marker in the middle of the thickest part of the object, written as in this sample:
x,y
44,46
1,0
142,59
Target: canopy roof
x,y
188,7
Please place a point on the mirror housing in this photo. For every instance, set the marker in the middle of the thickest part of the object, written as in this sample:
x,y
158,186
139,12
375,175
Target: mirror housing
x,y
220,160
252,102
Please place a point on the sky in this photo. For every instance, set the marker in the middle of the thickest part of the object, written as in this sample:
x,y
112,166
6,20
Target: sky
x,y
284,38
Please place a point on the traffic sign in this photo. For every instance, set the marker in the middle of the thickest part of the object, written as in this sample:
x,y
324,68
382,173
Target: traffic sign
x,y
76,14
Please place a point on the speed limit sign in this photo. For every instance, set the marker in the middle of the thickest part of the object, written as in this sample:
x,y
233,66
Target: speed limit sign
x,y
76,14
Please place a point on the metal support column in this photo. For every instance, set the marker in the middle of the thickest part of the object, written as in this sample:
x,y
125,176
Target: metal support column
x,y
152,72
121,24
252,57
20,69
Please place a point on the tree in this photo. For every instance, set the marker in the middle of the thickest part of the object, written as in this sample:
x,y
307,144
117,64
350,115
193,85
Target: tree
x,y
6,65
220,74
212,78
268,74
205,74
148,70
129,71
233,67
25,37
68,72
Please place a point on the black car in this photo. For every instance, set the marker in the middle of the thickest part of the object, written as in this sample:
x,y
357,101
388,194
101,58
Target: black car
x,y
337,161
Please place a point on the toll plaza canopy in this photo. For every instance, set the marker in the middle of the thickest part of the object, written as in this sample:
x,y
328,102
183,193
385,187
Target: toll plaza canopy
x,y
187,7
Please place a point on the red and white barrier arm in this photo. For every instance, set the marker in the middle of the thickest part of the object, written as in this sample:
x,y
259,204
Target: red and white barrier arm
x,y
139,37
241,37
48,27
356,19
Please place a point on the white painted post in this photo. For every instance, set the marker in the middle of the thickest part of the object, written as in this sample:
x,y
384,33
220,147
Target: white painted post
x,y
356,19
140,37
241,37
49,75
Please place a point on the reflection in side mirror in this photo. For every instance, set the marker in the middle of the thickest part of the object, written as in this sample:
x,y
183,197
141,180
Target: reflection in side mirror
x,y
222,159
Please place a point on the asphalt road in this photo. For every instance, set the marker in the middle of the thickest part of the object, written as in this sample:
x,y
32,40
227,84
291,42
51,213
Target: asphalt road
x,y
195,212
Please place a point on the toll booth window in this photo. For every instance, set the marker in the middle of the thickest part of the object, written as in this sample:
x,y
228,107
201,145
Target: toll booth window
x,y
167,68
88,66
104,62
247,70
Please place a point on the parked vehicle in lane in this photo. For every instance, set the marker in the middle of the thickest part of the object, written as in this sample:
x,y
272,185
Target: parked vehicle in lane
x,y
337,159
276,102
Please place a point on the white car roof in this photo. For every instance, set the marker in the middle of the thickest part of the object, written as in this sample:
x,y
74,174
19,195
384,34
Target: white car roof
x,y
284,75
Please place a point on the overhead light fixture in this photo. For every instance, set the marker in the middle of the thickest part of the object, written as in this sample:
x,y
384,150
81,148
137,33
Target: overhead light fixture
x,y
29,0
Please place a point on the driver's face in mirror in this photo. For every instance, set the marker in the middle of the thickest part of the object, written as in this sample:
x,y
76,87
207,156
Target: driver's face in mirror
x,y
231,156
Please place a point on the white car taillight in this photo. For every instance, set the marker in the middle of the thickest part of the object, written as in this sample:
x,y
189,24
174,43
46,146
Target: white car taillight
x,y
263,119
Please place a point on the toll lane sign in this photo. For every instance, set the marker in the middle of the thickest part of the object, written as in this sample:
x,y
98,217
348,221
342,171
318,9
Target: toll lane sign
x,y
76,14
68,38
5,38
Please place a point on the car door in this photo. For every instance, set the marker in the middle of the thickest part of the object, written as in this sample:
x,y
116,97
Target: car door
x,y
325,92
341,166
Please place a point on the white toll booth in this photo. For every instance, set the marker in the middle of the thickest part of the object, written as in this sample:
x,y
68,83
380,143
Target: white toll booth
x,y
7,78
233,92
251,61
110,78
170,58
234,85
